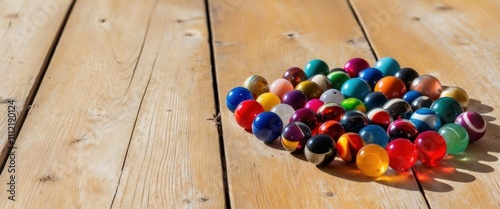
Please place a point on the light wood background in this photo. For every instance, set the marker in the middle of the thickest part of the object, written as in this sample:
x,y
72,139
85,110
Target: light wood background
x,y
121,103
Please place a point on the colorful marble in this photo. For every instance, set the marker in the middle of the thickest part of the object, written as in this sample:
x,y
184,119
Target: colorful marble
x,y
431,147
353,104
391,87
295,98
474,124
285,111
295,136
398,108
322,81
402,128
267,126
307,117
268,100
425,120
332,96
388,66
374,99
331,128
402,154
458,94
348,146
421,102
428,85
315,67
338,78
372,160
379,116
411,95
354,66
310,89
320,150
237,95
447,108
407,75
371,76
314,104
355,88
280,86
330,111
354,121
246,112
374,134
295,75
456,138
257,85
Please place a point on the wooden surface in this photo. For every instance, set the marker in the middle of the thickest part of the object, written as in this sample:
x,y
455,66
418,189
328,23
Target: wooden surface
x,y
125,114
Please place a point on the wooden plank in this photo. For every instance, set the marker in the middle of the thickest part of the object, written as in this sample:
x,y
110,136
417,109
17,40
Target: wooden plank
x,y
117,63
265,38
174,159
24,26
458,42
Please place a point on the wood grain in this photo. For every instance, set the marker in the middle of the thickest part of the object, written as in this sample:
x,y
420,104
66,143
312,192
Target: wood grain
x,y
265,38
25,25
459,43
122,68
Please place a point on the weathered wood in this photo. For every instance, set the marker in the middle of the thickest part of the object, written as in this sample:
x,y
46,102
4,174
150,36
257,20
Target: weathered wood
x,y
122,75
458,42
28,30
265,38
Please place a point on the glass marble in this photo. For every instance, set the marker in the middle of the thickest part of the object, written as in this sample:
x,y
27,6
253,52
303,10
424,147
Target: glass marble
x,y
336,69
402,154
458,94
246,112
425,120
371,76
330,111
374,134
315,67
314,104
407,75
322,81
447,108
285,111
474,124
320,150
388,66
411,95
237,95
338,78
428,85
354,66
379,116
402,128
280,86
331,128
268,100
420,102
398,108
267,126
374,99
355,88
354,121
310,89
456,138
307,117
295,98
332,96
391,87
431,147
295,75
353,104
295,136
257,85
348,146
372,160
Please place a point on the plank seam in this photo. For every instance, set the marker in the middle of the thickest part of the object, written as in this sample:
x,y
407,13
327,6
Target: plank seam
x,y
362,29
36,85
217,107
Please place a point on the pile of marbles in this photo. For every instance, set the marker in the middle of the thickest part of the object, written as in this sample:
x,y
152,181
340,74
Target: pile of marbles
x,y
377,117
